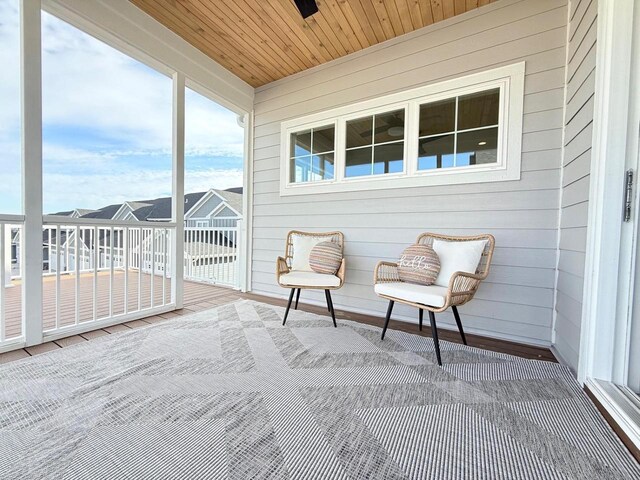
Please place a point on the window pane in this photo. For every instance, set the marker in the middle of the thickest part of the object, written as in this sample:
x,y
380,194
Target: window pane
x,y
388,158
301,143
322,167
478,109
389,126
300,169
359,132
10,163
477,147
435,152
358,162
324,139
437,117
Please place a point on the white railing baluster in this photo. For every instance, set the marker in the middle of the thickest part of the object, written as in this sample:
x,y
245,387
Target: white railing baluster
x,y
58,273
77,268
153,264
112,242
96,260
125,249
140,267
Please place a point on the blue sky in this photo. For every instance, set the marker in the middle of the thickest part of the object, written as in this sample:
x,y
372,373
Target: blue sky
x,y
106,125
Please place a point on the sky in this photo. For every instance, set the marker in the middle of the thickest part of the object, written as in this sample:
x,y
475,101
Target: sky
x,y
106,125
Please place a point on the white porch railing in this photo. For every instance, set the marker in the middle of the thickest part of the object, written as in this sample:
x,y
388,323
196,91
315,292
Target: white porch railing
x,y
11,329
211,255
104,269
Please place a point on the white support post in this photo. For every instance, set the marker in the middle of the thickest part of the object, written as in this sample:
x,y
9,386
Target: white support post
x,y
6,252
31,105
177,196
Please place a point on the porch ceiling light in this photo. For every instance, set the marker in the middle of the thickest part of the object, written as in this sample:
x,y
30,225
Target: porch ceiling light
x,y
306,7
482,143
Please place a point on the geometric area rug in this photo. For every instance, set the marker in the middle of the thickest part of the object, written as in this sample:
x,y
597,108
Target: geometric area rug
x,y
231,393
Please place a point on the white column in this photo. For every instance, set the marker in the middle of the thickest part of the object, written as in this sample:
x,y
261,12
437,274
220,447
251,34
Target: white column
x,y
177,197
31,102
5,263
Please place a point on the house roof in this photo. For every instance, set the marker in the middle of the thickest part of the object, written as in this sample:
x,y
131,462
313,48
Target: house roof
x,y
261,42
160,208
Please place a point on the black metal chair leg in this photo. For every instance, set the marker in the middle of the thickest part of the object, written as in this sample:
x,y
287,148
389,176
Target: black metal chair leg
x,y
297,298
330,305
434,334
421,316
326,295
386,320
457,315
286,312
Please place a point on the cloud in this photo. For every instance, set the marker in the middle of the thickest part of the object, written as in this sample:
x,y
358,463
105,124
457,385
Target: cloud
x,y
107,123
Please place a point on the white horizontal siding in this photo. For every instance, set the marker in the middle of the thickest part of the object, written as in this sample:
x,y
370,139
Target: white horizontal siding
x,y
516,301
581,57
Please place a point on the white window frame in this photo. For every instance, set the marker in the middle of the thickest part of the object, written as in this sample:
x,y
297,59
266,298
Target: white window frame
x,y
509,79
301,128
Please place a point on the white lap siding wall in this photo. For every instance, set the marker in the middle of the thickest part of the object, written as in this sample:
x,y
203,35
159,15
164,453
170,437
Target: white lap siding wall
x,y
517,300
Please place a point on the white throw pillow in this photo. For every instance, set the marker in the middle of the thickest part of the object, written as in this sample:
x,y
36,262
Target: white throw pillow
x,y
302,245
457,257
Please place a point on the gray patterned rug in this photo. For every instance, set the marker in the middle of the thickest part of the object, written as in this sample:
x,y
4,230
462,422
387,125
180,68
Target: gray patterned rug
x,y
230,393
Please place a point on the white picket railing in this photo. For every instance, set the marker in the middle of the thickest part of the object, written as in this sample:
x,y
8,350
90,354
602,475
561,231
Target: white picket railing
x,y
107,269
11,328
211,255
100,270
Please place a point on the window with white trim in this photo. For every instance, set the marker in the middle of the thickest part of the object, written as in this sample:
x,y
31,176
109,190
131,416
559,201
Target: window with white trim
x,y
375,144
459,131
465,130
312,154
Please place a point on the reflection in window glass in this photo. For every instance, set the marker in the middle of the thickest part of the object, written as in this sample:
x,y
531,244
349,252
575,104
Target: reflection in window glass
x,y
471,126
478,109
438,117
10,156
436,152
375,145
477,147
312,155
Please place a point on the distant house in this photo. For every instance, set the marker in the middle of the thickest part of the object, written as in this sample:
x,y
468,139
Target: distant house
x,y
211,219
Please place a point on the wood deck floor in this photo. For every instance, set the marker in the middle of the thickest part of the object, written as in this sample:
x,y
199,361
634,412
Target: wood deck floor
x,y
199,296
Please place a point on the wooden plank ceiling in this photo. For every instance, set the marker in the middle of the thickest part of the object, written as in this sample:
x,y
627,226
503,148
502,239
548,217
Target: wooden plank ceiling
x,y
264,40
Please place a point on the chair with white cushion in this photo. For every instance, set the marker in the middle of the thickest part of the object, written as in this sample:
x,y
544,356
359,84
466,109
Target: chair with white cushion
x,y
464,263
295,272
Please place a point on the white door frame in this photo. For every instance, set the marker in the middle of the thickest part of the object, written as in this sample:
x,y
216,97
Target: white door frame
x,y
610,250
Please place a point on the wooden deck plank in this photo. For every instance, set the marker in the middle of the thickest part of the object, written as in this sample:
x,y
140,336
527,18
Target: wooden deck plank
x,y
200,297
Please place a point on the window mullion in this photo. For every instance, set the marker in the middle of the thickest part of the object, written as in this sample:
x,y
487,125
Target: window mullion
x,y
455,136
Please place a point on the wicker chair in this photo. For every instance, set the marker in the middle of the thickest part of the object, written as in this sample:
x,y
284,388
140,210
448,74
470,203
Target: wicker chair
x,y
461,289
298,281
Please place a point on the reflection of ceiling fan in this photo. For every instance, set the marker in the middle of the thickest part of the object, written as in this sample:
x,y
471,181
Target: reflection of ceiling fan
x,y
394,127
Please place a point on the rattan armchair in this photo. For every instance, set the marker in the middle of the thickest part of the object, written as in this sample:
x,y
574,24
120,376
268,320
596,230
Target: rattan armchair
x,y
461,289
287,278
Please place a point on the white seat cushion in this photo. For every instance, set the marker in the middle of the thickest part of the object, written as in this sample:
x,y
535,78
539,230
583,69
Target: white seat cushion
x,y
432,295
309,279
463,256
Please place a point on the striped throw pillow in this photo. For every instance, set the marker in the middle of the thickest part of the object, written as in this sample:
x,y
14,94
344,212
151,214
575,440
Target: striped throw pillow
x,y
419,264
325,257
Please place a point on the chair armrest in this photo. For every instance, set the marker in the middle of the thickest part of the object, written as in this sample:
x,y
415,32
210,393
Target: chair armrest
x,y
281,267
462,287
341,271
386,272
